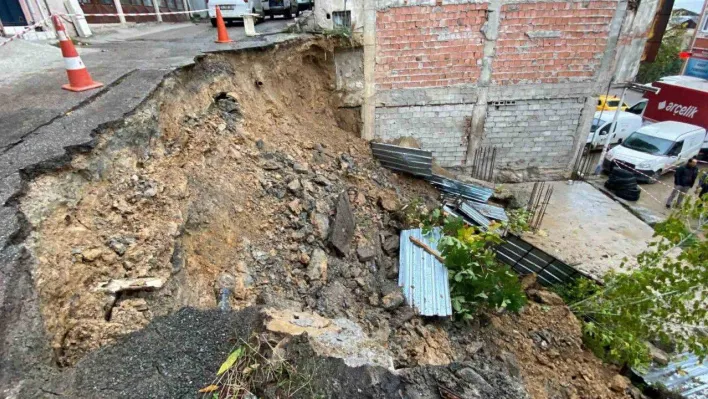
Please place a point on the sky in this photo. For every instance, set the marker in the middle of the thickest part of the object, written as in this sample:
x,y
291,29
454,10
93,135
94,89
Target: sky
x,y
693,5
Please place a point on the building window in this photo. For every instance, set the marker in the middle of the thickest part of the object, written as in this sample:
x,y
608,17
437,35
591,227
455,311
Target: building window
x,y
704,28
147,3
342,19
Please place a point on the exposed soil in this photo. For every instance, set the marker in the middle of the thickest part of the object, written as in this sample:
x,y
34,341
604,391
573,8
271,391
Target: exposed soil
x,y
225,188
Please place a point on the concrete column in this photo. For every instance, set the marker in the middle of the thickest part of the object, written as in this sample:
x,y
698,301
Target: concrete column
x,y
156,3
479,113
119,10
368,107
185,3
82,27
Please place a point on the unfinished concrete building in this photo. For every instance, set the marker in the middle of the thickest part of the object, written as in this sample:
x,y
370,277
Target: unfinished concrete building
x,y
518,75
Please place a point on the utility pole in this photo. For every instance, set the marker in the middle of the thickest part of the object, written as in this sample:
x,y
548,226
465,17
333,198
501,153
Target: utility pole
x,y
613,127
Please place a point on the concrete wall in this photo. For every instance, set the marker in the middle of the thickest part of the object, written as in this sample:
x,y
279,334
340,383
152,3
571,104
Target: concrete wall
x,y
349,75
324,8
520,75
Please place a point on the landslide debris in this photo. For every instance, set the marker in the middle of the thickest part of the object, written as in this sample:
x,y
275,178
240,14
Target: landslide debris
x,y
236,186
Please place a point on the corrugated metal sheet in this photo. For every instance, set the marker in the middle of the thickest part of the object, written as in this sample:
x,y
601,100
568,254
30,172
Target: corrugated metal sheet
x,y
403,159
473,215
423,278
465,190
686,375
490,211
525,258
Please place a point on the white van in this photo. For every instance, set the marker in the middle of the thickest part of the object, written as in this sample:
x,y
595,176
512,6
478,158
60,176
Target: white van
x,y
655,149
602,124
232,10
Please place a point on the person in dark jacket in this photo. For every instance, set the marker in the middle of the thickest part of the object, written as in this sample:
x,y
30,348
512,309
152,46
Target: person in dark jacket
x,y
703,184
684,179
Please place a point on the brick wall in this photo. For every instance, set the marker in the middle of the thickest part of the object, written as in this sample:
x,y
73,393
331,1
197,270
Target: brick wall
x,y
551,42
429,46
440,129
533,133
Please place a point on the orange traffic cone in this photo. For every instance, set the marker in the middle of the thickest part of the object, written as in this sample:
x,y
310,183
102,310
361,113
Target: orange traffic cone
x,y
222,36
79,78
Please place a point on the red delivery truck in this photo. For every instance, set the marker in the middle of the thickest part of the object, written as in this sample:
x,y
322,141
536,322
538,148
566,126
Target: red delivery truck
x,y
681,99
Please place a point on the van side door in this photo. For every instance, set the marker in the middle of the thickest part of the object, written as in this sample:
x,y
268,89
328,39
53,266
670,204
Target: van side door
x,y
675,156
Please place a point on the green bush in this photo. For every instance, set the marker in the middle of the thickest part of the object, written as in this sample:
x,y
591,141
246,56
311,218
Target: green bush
x,y
477,279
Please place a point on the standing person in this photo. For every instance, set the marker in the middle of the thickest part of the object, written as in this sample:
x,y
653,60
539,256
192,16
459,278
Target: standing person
x,y
703,184
684,178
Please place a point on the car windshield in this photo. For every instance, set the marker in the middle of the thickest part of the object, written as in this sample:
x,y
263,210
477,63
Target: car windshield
x,y
649,144
613,103
596,123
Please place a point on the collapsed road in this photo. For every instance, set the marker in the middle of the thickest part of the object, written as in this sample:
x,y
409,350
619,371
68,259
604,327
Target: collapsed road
x,y
235,195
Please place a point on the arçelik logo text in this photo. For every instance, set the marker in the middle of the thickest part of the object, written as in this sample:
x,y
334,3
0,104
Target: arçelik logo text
x,y
687,111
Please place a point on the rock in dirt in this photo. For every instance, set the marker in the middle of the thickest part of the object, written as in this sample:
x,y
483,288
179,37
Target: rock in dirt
x,y
294,186
295,206
343,226
388,203
365,253
270,165
135,284
393,300
658,355
619,383
320,223
117,246
301,167
317,267
91,254
546,297
391,245
339,338
529,281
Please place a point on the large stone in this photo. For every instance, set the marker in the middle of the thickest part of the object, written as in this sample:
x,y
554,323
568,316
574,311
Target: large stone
x,y
320,223
338,338
388,203
391,245
546,297
393,300
343,226
657,355
317,268
365,253
619,383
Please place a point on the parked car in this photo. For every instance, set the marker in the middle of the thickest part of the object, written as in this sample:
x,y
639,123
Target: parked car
x,y
305,4
609,103
627,123
286,8
656,149
233,10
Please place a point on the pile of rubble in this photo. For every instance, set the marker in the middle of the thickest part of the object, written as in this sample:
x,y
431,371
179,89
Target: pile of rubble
x,y
222,192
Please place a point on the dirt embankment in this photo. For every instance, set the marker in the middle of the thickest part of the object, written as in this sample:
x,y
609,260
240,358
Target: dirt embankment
x,y
229,186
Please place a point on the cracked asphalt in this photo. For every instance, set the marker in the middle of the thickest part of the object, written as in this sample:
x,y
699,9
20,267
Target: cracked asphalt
x,y
39,122
40,119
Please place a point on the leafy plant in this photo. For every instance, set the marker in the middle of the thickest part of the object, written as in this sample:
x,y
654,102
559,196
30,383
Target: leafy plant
x,y
519,220
663,299
477,279
255,367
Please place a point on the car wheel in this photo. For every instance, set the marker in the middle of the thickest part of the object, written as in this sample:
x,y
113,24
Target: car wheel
x,y
213,22
289,14
271,15
297,11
